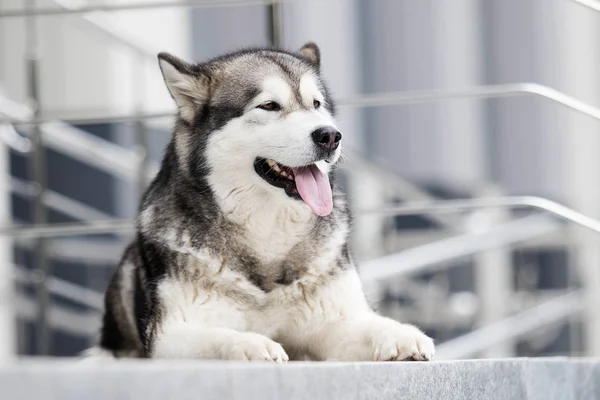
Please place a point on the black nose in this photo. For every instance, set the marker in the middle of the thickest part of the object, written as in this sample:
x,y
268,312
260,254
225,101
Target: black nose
x,y
327,138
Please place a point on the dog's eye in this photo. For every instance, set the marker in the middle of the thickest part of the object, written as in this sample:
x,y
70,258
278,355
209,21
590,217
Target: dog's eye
x,y
270,106
316,103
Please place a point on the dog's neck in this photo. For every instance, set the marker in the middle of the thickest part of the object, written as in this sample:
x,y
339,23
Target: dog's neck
x,y
268,224
271,224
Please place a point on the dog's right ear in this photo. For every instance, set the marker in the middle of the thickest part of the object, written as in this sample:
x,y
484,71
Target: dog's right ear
x,y
188,87
311,53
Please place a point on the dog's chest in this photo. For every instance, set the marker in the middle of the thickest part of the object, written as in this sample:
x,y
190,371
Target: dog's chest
x,y
254,284
221,296
256,281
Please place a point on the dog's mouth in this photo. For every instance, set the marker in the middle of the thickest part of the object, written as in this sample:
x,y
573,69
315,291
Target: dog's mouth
x,y
307,183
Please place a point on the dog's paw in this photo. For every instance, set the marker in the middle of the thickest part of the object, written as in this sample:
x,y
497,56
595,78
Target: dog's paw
x,y
254,347
400,342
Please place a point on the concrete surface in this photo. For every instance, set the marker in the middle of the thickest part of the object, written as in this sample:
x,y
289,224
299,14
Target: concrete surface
x,y
544,379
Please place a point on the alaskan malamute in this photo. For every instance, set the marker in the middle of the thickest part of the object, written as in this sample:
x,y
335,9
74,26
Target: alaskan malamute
x,y
241,250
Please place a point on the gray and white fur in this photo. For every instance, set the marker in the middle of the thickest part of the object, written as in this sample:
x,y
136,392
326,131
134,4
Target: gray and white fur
x,y
234,257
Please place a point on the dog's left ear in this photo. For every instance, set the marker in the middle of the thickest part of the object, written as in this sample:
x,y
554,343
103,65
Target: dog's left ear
x,y
188,87
311,53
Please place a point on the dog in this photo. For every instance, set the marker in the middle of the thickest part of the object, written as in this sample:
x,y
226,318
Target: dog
x,y
241,251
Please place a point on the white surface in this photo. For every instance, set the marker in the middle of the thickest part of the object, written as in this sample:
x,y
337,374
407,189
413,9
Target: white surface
x,y
543,379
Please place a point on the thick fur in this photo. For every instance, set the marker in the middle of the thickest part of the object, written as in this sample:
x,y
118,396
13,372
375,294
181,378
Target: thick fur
x,y
226,266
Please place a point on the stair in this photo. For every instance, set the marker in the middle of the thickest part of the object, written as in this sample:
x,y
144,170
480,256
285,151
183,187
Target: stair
x,y
521,378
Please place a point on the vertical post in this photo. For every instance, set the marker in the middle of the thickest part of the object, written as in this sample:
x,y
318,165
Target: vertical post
x,y
577,60
141,140
493,278
275,25
142,151
37,165
8,320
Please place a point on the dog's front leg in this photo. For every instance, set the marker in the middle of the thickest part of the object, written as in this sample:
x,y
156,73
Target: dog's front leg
x,y
185,340
371,337
343,327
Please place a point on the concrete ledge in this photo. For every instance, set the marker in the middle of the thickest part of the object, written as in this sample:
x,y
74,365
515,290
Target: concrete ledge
x,y
544,379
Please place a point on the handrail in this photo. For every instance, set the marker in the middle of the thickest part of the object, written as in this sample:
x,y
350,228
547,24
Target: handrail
x,y
513,202
107,156
591,4
69,229
120,161
398,185
547,313
398,98
60,317
67,290
59,202
115,7
40,12
376,100
416,208
525,228
110,157
96,253
432,256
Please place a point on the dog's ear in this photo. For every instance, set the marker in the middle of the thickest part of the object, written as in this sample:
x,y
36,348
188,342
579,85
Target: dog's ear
x,y
188,87
311,53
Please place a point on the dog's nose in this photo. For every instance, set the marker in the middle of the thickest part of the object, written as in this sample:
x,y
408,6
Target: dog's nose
x,y
327,137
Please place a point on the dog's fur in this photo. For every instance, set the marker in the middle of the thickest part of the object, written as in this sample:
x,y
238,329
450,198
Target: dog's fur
x,y
227,266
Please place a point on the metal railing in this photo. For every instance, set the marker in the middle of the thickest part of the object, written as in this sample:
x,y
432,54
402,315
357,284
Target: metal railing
x,y
48,12
374,100
407,262
542,315
591,4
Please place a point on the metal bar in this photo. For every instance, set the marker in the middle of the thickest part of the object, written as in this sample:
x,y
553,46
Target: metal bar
x,y
120,161
61,318
548,313
406,190
60,287
83,146
96,253
489,91
166,4
9,327
140,127
97,120
44,12
383,100
58,202
37,164
460,246
433,256
274,24
62,230
143,163
445,206
16,111
100,153
591,4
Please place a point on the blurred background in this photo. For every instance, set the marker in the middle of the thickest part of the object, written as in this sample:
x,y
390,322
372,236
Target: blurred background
x,y
451,112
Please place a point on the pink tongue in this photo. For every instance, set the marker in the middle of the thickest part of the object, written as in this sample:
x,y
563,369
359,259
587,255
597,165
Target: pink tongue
x,y
314,188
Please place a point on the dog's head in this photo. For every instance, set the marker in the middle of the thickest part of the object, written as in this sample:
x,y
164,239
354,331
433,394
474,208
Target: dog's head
x,y
258,122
